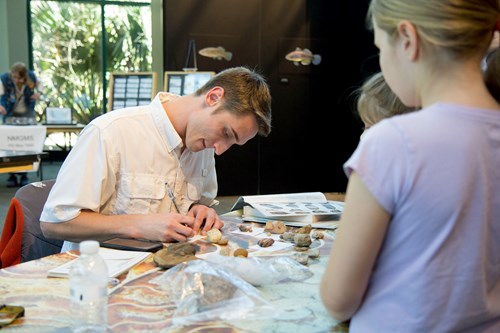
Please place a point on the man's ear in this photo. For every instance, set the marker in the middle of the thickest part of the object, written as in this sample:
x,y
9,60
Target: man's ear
x,y
409,39
214,95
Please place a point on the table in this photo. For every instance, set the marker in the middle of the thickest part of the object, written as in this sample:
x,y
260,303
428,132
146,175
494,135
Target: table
x,y
67,130
138,305
20,161
75,128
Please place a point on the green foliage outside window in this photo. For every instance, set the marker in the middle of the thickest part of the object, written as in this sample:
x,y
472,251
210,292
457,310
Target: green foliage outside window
x,y
68,51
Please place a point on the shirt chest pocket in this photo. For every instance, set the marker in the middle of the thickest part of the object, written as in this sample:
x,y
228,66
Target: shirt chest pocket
x,y
139,194
195,189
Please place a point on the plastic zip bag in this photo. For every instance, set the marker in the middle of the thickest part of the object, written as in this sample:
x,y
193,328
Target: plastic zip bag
x,y
205,291
260,271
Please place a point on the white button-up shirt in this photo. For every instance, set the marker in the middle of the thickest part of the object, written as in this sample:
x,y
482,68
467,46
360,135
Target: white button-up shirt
x,y
124,162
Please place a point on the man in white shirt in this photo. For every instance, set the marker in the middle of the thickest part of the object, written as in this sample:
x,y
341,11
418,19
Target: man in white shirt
x,y
149,171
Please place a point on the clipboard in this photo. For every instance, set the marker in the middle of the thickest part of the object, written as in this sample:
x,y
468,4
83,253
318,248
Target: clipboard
x,y
131,244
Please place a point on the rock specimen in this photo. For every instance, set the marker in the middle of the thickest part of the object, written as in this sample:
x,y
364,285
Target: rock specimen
x,y
245,228
240,252
174,254
214,235
275,227
265,242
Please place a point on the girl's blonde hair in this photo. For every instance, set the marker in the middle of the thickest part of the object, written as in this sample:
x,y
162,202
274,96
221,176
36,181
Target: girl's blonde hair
x,y
377,101
459,28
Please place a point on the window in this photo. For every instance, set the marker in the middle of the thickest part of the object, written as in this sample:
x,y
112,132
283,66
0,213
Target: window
x,y
77,44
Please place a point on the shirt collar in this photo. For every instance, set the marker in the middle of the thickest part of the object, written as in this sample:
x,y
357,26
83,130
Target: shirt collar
x,y
163,123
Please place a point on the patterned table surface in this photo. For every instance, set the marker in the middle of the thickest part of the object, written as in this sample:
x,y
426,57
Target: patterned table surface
x,y
138,305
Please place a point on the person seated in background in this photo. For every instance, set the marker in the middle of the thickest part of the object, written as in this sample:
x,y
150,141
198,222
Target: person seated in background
x,y
19,90
417,248
377,101
149,172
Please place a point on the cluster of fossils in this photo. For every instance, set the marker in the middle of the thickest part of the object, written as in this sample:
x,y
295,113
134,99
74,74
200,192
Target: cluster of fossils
x,y
302,238
176,253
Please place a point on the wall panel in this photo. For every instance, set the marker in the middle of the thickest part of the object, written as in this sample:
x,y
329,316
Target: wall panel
x,y
312,105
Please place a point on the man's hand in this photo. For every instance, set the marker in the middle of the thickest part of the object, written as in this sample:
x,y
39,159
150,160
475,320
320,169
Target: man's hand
x,y
2,110
205,216
168,227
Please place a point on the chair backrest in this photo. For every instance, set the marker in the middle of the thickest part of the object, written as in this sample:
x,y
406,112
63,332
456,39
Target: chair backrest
x,y
34,244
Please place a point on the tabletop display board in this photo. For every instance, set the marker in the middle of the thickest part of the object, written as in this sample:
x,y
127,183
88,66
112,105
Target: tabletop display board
x,y
22,138
184,83
131,89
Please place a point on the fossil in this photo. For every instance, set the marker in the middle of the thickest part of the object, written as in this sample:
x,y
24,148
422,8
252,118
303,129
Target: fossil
x,y
303,240
265,242
214,235
240,252
275,227
245,228
174,254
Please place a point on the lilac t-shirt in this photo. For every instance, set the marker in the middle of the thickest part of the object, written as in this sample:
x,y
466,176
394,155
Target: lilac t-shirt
x,y
437,172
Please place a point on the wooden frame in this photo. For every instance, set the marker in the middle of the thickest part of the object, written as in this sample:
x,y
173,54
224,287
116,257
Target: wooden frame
x,y
131,89
184,83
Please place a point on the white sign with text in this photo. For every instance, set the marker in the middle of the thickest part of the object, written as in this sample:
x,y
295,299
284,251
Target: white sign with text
x,y
24,138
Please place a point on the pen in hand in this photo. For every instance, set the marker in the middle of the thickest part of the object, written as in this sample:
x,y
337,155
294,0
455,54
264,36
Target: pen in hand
x,y
172,197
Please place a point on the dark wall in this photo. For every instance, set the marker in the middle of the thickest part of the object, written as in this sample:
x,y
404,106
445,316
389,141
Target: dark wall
x,y
312,105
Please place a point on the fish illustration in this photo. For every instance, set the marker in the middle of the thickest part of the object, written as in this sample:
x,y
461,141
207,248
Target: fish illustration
x,y
218,53
303,56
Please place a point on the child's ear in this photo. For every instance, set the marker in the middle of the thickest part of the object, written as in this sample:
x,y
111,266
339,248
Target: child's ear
x,y
409,39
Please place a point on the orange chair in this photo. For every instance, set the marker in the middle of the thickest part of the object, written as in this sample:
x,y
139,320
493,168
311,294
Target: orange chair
x,y
22,239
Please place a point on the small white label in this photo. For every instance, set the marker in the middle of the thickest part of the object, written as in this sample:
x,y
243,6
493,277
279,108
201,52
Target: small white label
x,y
85,294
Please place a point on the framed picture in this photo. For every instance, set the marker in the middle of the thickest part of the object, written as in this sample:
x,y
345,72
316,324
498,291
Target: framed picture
x,y
131,89
184,83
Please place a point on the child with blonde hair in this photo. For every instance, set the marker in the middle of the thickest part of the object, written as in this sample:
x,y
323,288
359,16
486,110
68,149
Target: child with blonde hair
x,y
376,101
418,243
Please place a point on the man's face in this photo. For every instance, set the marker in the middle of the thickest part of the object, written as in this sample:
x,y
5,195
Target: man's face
x,y
18,79
219,130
